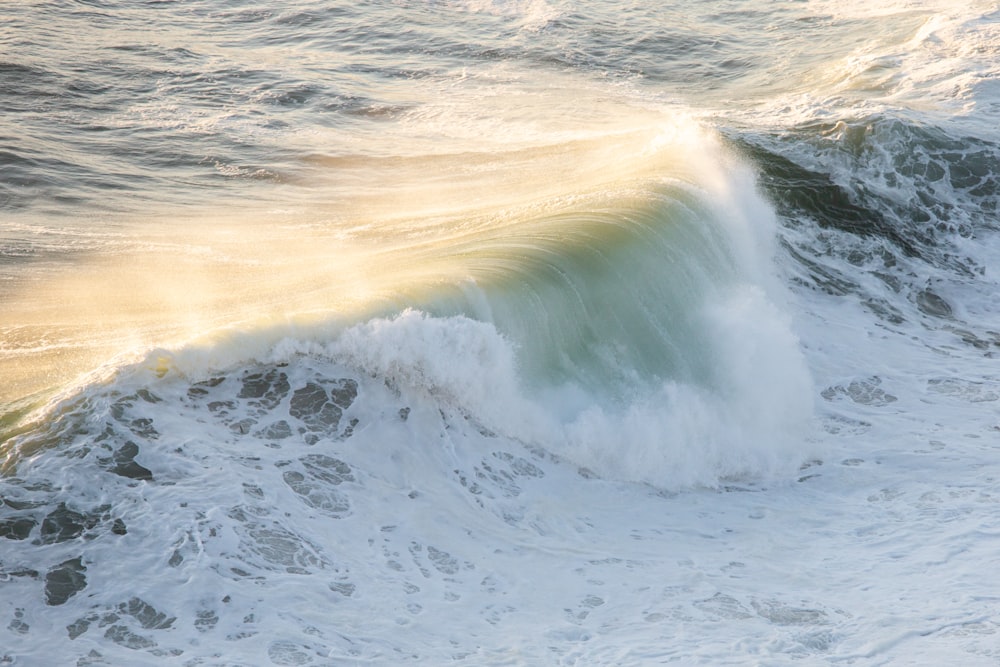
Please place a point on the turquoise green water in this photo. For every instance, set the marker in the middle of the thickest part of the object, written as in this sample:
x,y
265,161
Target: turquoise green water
x,y
434,332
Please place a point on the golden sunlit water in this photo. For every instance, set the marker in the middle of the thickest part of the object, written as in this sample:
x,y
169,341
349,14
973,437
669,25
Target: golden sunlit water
x,y
499,332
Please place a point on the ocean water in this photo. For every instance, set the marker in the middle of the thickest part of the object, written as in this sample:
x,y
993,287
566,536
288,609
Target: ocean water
x,y
499,332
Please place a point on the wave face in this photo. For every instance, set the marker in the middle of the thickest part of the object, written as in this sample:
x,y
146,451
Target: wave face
x,y
635,307
498,332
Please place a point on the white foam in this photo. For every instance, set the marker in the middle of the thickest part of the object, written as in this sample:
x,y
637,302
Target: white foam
x,y
466,532
753,420
937,61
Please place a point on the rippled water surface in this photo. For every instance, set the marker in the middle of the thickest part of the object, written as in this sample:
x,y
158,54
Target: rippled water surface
x,y
498,332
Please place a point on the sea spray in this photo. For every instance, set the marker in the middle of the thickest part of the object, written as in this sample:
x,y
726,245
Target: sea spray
x,y
439,333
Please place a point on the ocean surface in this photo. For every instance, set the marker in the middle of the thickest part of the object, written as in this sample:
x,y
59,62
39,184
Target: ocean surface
x,y
499,332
